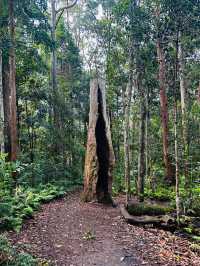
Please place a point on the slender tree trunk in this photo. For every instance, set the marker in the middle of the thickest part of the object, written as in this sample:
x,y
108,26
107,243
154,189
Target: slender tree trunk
x,y
128,96
169,170
6,102
117,149
146,134
177,163
1,108
198,94
12,85
141,157
55,18
54,61
184,116
127,151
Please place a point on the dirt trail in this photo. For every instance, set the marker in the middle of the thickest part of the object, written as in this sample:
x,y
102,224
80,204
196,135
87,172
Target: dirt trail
x,y
70,233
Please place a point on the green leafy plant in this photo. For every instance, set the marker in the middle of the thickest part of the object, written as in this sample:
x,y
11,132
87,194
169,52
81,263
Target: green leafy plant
x,y
89,235
10,257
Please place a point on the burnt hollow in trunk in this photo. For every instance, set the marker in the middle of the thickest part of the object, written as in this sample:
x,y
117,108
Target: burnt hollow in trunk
x,y
102,153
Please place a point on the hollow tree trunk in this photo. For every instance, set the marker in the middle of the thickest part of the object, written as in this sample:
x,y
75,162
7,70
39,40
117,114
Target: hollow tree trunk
x,y
169,169
99,160
12,85
1,108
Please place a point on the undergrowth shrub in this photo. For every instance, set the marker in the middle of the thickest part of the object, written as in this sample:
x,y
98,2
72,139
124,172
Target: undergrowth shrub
x,y
18,200
10,257
161,194
15,208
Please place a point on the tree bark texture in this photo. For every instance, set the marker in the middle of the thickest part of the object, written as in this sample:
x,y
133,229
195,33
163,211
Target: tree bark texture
x,y
169,169
177,162
100,159
6,102
1,108
127,100
12,85
53,65
147,125
141,156
184,115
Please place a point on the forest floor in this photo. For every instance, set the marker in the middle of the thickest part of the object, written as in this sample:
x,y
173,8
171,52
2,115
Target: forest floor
x,y
68,232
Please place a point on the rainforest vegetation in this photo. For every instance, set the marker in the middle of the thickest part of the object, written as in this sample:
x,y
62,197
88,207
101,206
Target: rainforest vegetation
x,y
147,52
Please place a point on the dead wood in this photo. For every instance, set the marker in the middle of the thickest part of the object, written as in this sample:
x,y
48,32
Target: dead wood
x,y
146,219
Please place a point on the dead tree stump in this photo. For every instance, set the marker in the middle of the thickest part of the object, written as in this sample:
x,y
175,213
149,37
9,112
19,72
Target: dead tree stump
x,y
100,159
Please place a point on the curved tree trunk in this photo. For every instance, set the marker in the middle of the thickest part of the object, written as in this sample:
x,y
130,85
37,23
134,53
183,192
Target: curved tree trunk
x,y
99,160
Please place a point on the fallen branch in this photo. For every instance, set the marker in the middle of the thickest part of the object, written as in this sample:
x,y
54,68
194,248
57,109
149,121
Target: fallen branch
x,y
146,219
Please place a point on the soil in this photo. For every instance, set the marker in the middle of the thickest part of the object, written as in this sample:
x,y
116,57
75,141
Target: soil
x,y
68,232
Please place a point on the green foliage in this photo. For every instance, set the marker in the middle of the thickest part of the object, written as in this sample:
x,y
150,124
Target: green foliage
x,y
195,248
89,235
118,184
161,193
21,205
10,257
6,180
20,202
138,209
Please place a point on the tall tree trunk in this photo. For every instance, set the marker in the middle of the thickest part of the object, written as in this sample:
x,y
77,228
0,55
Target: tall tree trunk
x,y
177,162
127,102
147,119
184,115
169,169
1,108
141,156
12,85
56,15
127,106
54,63
198,93
127,140
6,102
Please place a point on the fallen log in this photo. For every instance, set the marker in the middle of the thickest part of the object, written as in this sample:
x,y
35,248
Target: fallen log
x,y
163,220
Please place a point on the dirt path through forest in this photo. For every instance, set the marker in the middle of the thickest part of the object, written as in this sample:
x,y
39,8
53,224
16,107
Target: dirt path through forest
x,y
70,233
